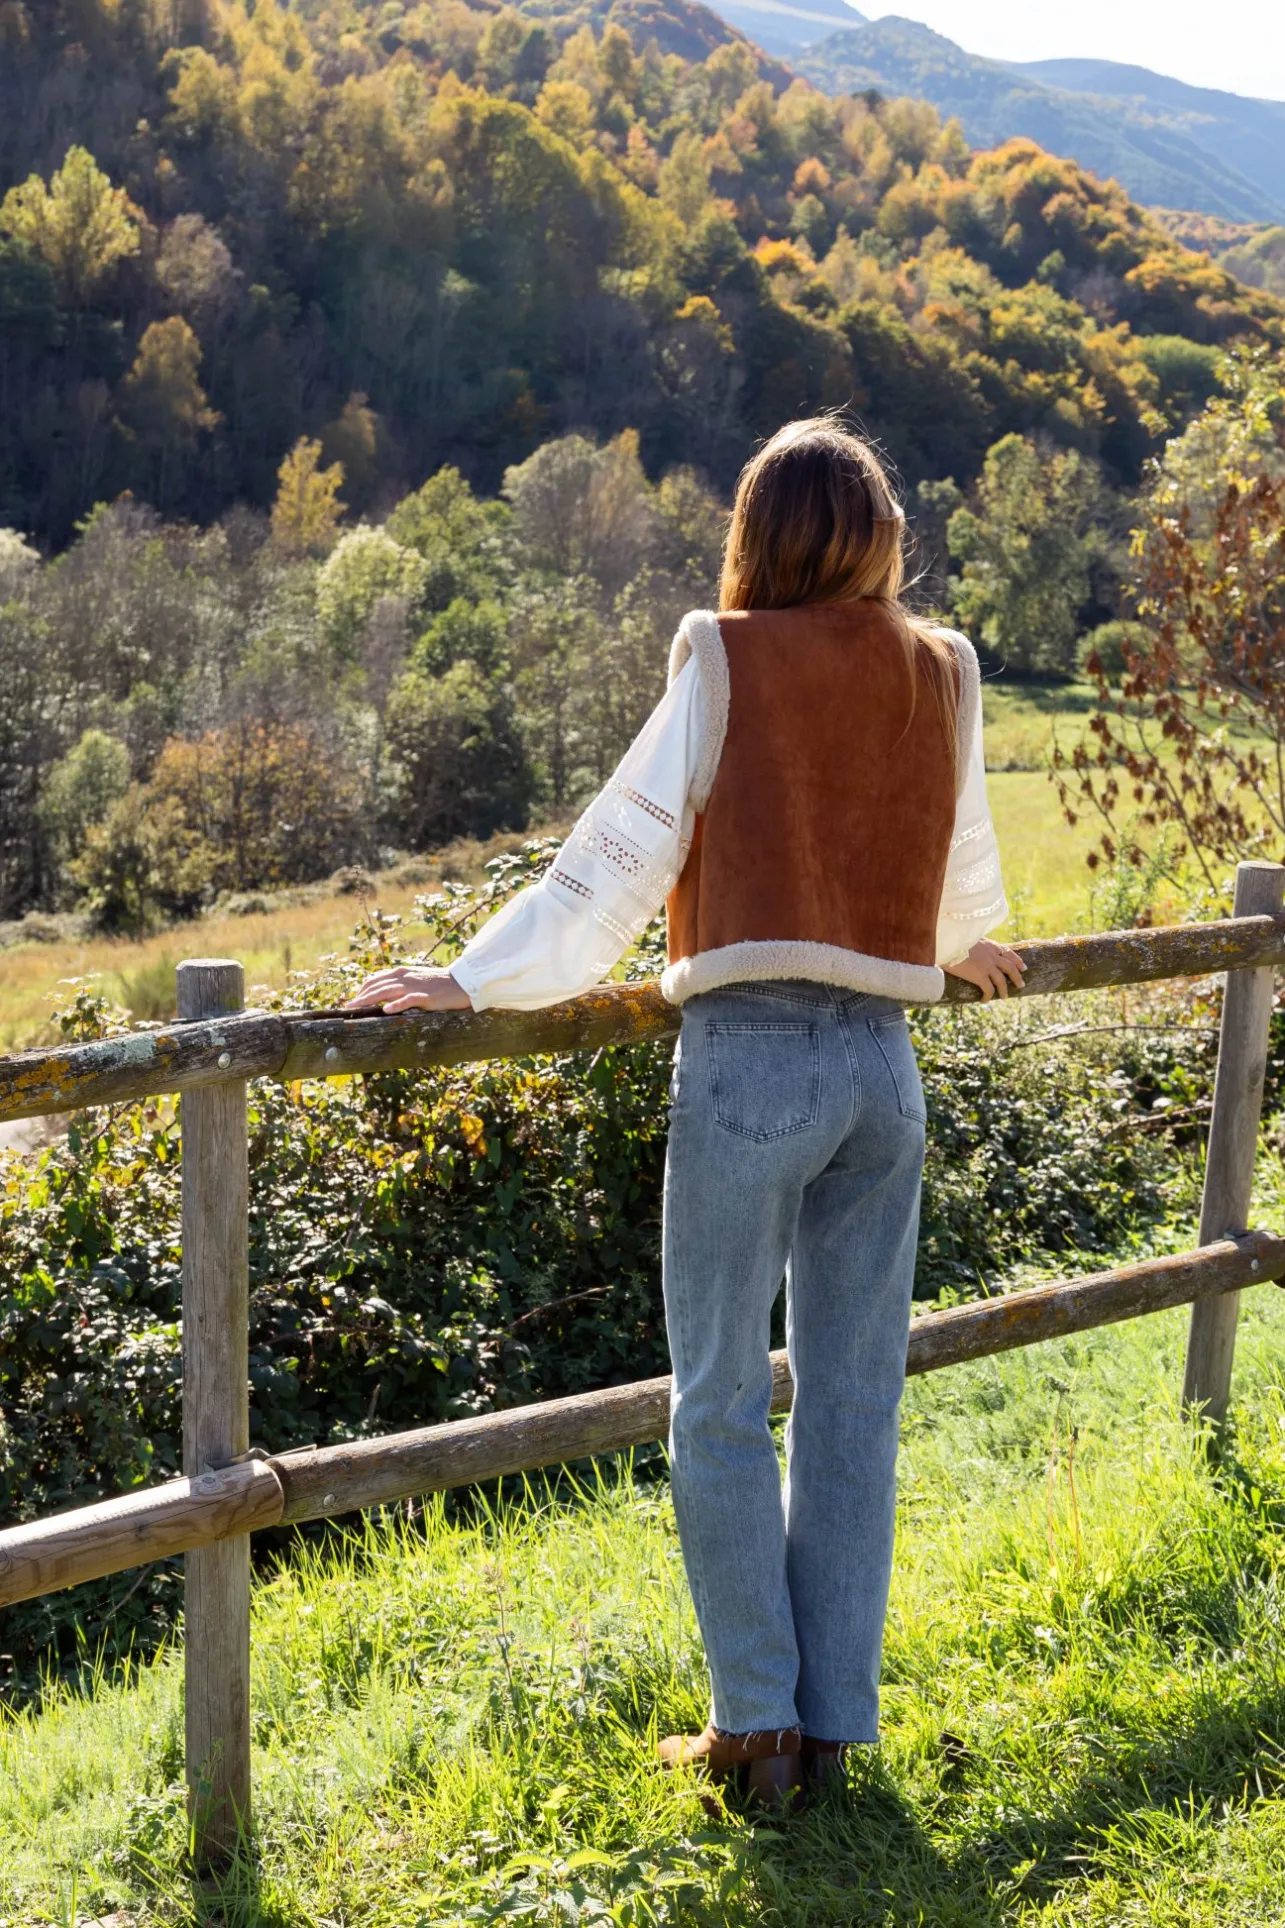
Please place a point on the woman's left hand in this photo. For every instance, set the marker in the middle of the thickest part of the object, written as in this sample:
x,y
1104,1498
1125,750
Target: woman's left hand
x,y
992,968
410,987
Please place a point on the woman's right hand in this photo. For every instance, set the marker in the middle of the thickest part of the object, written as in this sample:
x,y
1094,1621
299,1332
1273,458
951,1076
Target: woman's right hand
x,y
992,968
409,987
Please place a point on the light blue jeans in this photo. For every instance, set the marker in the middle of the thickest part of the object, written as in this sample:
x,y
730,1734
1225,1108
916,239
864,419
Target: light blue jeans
x,y
796,1149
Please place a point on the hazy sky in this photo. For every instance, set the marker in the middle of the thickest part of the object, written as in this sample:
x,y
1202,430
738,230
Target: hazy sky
x,y
1236,44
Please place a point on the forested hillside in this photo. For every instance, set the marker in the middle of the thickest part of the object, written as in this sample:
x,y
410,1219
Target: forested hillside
x,y
1253,253
1246,133
372,378
444,233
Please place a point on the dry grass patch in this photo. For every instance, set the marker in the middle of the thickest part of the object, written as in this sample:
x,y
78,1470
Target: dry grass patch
x,y
291,933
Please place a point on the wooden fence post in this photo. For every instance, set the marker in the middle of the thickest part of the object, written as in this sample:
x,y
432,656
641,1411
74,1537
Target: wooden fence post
x,y
216,1426
1233,1140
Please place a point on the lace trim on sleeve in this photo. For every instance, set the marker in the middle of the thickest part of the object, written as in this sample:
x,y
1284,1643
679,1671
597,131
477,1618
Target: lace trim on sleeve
x,y
977,876
629,860
973,831
663,817
996,905
568,882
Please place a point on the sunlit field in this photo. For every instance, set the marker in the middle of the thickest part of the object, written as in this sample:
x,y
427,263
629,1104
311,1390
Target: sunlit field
x,y
271,944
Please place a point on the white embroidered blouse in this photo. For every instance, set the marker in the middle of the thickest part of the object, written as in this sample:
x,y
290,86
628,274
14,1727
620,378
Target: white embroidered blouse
x,y
567,932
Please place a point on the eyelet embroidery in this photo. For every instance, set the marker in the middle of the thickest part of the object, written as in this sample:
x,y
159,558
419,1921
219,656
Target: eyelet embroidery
x,y
630,795
570,883
976,877
967,836
630,860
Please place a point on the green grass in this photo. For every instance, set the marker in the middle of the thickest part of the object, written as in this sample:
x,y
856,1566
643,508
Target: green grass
x,y
1020,720
454,1720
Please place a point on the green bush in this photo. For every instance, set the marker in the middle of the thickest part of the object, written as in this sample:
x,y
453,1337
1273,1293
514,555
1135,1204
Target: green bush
x,y
428,1245
1102,650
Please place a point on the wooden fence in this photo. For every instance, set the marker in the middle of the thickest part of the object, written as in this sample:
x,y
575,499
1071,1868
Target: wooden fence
x,y
230,1490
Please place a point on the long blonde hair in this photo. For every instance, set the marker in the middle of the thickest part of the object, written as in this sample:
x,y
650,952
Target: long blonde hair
x,y
815,520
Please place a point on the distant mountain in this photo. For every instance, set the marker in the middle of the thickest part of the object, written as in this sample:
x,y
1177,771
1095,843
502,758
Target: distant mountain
x,y
1168,144
1247,134
786,26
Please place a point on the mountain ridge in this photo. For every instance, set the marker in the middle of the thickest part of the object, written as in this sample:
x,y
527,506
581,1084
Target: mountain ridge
x,y
1162,152
769,21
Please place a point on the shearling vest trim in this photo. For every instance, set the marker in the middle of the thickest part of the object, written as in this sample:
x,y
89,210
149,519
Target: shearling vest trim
x,y
825,805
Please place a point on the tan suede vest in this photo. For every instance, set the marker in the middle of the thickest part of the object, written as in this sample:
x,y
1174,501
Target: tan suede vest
x,y
825,804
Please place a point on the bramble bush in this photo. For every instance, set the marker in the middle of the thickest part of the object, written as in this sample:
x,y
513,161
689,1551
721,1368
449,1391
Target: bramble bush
x,y
428,1245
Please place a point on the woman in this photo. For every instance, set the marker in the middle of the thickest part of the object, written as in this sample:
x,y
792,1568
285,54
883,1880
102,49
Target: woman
x,y
810,797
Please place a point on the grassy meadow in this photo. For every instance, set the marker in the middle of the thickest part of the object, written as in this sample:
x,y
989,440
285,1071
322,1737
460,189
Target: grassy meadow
x,y
1084,1708
1048,883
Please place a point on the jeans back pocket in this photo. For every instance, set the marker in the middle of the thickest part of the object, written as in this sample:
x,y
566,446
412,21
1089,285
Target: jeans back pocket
x,y
892,1035
765,1079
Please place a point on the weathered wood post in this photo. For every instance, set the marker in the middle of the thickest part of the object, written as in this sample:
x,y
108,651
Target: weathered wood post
x,y
1233,1139
216,1424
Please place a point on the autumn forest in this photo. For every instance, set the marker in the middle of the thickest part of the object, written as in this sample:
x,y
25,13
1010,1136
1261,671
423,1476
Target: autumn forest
x,y
373,379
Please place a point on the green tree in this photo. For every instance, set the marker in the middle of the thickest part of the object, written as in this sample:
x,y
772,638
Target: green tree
x,y
80,790
478,631
684,178
365,566
1027,549
143,864
566,109
552,622
1185,766
462,539
80,224
462,769
1236,436
584,510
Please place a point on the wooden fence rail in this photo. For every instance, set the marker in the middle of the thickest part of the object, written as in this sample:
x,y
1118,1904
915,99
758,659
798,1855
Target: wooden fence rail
x,y
286,1046
322,1482
227,1492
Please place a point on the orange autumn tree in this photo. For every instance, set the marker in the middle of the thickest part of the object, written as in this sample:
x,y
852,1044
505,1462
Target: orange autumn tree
x,y
248,807
1185,763
270,802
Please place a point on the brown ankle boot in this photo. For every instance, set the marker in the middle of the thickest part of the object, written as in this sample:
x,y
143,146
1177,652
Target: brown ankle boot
x,y
764,1767
824,1762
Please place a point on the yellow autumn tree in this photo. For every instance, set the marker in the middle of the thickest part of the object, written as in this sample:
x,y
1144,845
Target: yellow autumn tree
x,y
80,225
306,513
161,397
163,408
352,442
